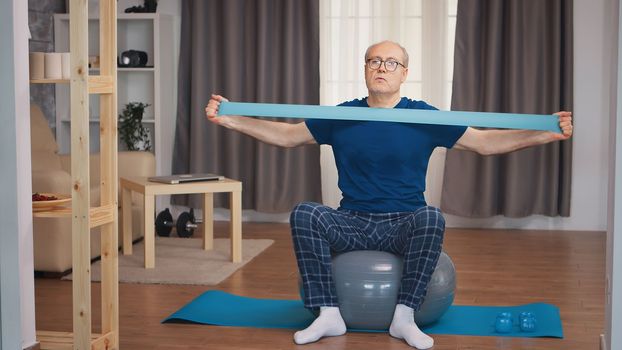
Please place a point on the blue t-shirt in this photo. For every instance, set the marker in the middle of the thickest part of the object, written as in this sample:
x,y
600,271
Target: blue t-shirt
x,y
382,165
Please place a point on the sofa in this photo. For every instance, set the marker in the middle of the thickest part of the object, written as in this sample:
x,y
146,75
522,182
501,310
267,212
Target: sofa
x,y
51,172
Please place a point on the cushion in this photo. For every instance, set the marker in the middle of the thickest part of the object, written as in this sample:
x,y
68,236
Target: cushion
x,y
44,160
41,137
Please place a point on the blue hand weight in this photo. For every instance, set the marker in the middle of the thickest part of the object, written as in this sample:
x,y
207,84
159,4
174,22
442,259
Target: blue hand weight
x,y
503,325
505,315
528,324
525,314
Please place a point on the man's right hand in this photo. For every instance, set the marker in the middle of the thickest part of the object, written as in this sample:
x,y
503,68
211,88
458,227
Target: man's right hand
x,y
211,111
275,133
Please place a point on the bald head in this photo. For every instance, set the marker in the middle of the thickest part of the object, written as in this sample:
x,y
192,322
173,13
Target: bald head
x,y
389,42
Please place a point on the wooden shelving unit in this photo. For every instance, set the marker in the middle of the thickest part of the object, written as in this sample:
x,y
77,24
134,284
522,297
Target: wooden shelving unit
x,y
83,216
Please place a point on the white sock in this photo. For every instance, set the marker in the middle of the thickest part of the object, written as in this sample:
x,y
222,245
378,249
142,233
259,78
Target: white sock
x,y
403,327
328,324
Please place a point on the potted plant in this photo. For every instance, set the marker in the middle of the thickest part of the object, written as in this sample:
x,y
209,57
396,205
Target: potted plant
x,y
132,132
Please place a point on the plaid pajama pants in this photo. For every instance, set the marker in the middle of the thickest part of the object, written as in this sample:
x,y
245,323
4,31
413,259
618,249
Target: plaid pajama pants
x,y
317,230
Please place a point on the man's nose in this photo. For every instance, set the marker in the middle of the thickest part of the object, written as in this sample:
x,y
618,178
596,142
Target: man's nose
x,y
383,67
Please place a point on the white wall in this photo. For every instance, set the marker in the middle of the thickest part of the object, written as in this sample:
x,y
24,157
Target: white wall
x,y
9,239
613,300
16,260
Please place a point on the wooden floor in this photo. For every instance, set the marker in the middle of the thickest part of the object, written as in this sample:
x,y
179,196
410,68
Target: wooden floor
x,y
494,267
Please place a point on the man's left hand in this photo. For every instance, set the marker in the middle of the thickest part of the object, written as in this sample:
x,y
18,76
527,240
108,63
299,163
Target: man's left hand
x,y
565,124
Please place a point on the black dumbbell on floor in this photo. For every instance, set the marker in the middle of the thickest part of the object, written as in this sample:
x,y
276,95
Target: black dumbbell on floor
x,y
186,223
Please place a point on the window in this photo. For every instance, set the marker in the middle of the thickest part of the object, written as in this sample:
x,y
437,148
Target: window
x,y
424,27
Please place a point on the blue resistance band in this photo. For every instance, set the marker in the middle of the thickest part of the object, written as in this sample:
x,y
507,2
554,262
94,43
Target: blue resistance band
x,y
545,122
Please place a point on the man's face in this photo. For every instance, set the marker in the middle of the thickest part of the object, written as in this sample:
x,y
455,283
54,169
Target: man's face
x,y
381,81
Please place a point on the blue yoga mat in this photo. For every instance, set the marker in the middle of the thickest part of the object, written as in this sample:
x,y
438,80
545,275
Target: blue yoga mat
x,y
545,122
223,309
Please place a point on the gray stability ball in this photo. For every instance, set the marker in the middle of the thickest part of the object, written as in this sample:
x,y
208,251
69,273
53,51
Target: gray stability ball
x,y
368,282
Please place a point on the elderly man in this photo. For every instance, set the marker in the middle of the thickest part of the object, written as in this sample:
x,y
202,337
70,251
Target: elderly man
x,y
382,168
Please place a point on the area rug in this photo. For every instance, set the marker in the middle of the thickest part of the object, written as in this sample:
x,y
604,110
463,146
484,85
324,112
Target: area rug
x,y
219,308
182,261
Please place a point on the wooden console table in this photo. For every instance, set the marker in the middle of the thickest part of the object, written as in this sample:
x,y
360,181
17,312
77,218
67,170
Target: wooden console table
x,y
207,188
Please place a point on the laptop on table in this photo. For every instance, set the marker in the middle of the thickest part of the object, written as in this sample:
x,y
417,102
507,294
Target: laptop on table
x,y
182,178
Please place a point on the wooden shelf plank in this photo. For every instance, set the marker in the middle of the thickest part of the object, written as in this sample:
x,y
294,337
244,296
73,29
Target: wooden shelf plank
x,y
99,215
96,120
120,16
98,84
57,212
128,69
102,342
101,84
51,340
102,215
49,81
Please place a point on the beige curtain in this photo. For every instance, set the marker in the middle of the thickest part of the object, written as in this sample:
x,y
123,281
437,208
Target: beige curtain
x,y
248,51
511,56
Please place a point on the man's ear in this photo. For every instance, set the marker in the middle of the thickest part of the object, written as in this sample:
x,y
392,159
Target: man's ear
x,y
404,74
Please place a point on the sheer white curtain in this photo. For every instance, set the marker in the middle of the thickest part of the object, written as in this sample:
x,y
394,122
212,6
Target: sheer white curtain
x,y
425,28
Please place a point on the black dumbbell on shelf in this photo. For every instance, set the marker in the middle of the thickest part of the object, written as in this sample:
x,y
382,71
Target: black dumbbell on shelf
x,y
185,225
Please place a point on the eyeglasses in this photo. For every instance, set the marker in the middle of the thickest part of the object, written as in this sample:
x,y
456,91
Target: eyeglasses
x,y
389,65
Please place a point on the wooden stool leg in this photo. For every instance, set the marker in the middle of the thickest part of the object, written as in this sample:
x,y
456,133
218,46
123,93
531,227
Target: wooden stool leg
x,y
235,226
208,221
126,217
149,232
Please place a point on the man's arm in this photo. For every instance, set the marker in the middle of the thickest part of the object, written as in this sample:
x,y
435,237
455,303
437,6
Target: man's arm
x,y
488,142
274,133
